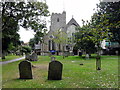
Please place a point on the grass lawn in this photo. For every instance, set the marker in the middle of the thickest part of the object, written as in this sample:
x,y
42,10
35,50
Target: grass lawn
x,y
10,57
73,75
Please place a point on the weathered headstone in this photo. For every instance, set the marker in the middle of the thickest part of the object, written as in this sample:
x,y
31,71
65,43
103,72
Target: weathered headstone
x,y
66,54
116,52
55,70
98,63
25,70
87,56
33,57
27,57
53,58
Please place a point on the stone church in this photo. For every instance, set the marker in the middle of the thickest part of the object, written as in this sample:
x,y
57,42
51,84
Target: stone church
x,y
58,22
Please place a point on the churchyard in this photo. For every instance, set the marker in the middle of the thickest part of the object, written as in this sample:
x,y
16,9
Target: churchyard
x,y
77,72
94,30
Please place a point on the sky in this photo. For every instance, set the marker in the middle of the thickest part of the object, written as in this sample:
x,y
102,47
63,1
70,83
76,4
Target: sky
x,y
78,9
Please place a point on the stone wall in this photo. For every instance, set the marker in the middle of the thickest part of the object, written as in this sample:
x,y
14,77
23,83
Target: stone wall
x,y
58,21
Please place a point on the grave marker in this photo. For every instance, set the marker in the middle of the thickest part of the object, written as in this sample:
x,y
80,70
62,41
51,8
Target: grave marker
x,y
87,56
55,70
25,70
27,56
53,58
34,57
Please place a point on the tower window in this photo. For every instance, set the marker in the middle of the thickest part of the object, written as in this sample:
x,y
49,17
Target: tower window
x,y
57,19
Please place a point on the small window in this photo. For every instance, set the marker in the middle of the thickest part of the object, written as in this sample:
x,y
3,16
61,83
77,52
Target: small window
x,y
57,19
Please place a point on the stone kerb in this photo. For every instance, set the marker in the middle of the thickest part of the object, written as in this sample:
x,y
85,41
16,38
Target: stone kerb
x,y
55,70
25,70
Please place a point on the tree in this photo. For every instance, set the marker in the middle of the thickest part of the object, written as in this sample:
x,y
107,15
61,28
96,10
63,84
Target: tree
x,y
84,40
25,49
27,15
38,37
99,29
32,43
92,34
95,32
106,22
60,37
111,12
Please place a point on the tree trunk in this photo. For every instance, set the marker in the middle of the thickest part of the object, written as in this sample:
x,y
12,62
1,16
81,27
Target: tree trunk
x,y
3,55
63,52
98,63
98,59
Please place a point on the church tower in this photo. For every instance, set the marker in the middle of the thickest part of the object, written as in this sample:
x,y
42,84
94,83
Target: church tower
x,y
58,21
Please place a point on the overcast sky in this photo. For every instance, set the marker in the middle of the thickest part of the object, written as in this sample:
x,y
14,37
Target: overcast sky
x,y
79,9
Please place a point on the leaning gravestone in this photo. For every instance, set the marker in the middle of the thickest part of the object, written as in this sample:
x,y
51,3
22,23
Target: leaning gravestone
x,y
55,70
33,57
27,56
25,70
98,63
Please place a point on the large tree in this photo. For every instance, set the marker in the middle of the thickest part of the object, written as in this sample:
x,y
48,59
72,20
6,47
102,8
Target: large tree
x,y
15,14
38,37
84,40
111,11
60,38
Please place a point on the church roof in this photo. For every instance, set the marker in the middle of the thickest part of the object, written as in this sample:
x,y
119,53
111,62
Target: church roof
x,y
72,22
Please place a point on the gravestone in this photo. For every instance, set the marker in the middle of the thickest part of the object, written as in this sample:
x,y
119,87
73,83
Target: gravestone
x,y
33,57
87,56
25,70
98,63
53,58
66,54
27,57
55,70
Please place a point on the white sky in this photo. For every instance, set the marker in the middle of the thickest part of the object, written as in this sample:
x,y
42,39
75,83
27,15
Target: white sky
x,y
79,9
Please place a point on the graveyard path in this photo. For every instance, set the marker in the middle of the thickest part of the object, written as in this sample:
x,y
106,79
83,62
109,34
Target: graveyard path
x,y
5,62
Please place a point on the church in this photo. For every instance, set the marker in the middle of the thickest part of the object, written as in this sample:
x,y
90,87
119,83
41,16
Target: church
x,y
58,22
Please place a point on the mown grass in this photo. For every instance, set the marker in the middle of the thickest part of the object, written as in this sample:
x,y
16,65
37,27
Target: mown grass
x,y
10,57
73,75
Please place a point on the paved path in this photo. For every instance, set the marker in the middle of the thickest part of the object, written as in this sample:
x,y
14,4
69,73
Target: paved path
x,y
5,62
